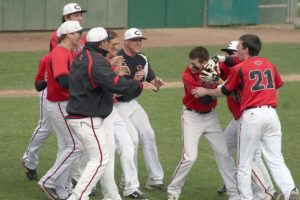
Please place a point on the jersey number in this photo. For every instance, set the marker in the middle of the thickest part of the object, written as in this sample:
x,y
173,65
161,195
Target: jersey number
x,y
258,76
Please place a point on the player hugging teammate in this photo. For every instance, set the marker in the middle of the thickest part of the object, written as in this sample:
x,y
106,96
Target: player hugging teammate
x,y
88,89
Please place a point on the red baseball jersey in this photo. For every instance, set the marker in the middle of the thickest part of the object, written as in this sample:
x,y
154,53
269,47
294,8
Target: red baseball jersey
x,y
59,65
257,80
54,43
190,82
233,101
40,75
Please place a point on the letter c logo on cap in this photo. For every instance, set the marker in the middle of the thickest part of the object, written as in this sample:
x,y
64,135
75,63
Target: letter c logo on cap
x,y
77,7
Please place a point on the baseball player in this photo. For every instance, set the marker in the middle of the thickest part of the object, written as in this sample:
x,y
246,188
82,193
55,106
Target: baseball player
x,y
71,11
92,84
262,186
257,81
132,112
199,118
42,131
124,144
54,182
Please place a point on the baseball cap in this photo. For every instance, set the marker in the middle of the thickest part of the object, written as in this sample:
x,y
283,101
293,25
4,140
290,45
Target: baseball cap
x,y
133,33
72,8
69,27
232,46
97,34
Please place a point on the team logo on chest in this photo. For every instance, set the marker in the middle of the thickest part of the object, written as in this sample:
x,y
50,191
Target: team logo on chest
x,y
258,62
139,67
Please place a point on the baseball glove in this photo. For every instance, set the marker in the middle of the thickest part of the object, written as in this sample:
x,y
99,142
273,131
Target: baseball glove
x,y
212,64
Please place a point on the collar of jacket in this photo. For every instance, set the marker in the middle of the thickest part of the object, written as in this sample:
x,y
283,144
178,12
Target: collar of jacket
x,y
94,46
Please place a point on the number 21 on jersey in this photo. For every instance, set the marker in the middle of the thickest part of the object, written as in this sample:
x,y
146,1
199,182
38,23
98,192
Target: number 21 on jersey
x,y
262,79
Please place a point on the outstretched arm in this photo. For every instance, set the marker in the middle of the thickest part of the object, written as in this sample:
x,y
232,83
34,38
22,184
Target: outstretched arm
x,y
200,92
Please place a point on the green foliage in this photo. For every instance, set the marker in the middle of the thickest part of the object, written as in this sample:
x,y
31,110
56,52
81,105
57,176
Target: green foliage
x,y
19,117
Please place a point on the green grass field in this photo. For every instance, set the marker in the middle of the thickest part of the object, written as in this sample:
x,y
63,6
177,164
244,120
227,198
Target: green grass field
x,y
19,118
18,68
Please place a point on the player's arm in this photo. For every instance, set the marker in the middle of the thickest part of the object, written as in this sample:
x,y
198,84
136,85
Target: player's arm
x,y
40,79
200,92
108,80
63,81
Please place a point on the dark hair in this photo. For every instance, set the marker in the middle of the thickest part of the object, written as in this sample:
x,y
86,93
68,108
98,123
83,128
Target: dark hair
x,y
112,34
200,53
252,42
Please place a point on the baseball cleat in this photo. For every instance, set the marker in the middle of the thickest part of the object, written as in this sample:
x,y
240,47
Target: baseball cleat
x,y
50,192
158,187
221,190
294,195
137,195
30,173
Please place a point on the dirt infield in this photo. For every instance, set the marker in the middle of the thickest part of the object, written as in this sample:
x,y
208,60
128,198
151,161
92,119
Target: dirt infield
x,y
33,41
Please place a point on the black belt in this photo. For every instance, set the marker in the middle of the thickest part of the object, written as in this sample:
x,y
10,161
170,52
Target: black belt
x,y
200,112
250,107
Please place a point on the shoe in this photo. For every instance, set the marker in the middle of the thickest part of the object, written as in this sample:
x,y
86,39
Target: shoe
x,y
294,195
137,195
277,196
50,192
172,197
221,190
158,187
30,173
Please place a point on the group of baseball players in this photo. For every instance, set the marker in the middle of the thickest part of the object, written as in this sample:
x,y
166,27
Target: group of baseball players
x,y
88,85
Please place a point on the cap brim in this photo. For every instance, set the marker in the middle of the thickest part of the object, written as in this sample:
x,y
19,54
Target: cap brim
x,y
143,38
82,11
228,50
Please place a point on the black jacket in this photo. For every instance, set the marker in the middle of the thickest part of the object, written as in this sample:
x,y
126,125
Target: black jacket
x,y
136,63
92,83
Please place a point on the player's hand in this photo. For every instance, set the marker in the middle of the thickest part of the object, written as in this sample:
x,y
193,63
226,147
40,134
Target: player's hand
x,y
117,60
157,82
199,92
139,75
123,70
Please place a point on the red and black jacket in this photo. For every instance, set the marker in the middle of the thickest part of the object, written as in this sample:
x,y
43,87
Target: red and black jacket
x,y
92,83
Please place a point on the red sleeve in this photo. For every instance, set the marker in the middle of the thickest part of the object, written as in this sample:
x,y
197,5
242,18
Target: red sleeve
x,y
40,75
190,81
61,60
234,79
237,60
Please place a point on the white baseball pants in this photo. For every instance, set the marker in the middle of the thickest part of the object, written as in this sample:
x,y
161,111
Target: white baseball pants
x,y
40,134
69,148
125,149
194,125
97,139
261,127
140,130
262,186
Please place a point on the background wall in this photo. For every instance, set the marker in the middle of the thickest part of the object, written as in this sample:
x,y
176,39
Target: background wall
x,y
27,15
